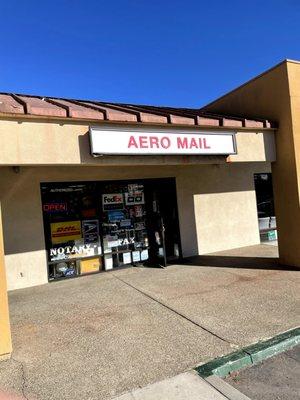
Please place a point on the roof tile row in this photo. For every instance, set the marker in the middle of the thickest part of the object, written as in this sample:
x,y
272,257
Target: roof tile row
x,y
18,104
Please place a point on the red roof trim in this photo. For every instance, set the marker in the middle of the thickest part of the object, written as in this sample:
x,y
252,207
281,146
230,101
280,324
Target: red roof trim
x,y
52,107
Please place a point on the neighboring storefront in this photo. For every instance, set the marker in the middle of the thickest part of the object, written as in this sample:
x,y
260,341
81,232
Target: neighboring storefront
x,y
265,207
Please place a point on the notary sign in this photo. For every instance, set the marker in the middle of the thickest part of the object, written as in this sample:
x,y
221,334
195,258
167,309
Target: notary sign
x,y
127,141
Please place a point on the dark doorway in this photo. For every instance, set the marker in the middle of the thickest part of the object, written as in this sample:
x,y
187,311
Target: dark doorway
x,y
265,207
162,218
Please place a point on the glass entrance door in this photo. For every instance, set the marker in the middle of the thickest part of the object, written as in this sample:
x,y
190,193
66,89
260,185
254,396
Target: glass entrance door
x,y
162,217
123,223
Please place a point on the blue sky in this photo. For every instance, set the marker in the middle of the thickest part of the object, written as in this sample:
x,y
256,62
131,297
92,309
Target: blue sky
x,y
161,52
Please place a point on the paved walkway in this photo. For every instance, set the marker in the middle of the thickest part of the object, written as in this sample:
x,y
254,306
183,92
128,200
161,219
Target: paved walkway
x,y
186,386
100,336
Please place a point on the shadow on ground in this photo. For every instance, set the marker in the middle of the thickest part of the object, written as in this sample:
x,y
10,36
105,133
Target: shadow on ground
x,y
238,262
262,257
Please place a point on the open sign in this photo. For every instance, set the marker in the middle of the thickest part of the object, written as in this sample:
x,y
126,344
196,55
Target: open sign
x,y
54,207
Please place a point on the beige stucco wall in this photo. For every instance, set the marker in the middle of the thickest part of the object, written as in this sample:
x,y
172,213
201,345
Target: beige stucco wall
x,y
275,95
225,207
254,146
217,209
52,143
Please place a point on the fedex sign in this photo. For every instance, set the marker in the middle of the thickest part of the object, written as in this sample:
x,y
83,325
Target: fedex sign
x,y
137,141
112,201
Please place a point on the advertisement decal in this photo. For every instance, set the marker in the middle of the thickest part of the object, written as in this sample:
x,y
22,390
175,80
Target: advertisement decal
x,y
62,232
112,201
90,231
133,199
115,215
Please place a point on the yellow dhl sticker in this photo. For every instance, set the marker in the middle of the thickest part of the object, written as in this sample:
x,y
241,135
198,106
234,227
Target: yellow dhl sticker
x,y
64,231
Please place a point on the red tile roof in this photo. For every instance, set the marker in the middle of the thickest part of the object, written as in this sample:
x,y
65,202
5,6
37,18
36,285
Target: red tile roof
x,y
50,107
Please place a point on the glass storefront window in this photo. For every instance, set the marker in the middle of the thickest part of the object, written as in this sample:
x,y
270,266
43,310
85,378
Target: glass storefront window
x,y
125,238
93,226
71,222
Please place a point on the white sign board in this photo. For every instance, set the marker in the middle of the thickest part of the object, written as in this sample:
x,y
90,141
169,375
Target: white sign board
x,y
135,141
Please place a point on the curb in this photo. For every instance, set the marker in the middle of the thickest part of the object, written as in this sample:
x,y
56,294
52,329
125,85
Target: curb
x,y
250,355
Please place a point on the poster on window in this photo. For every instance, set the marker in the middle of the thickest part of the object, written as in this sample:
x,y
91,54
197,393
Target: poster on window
x,y
133,199
112,201
62,232
144,255
115,215
90,231
138,211
135,188
126,223
139,226
127,258
136,256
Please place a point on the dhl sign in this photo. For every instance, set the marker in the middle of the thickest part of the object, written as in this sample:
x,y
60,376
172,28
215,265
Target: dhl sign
x,y
64,231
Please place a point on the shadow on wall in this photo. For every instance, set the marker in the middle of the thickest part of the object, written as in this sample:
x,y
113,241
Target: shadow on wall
x,y
21,211
85,148
202,174
87,158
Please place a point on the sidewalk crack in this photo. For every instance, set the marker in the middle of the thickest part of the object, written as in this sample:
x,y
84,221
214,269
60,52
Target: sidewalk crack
x,y
23,377
175,311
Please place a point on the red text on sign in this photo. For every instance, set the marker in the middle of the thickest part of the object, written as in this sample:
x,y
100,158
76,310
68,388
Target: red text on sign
x,y
164,142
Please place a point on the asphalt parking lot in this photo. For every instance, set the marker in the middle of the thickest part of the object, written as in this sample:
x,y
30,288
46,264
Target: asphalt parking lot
x,y
277,378
99,336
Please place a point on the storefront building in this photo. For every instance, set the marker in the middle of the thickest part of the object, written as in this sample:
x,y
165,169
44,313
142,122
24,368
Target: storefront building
x,y
86,186
91,202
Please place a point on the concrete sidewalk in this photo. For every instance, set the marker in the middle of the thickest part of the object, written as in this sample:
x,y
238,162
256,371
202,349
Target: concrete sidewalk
x,y
100,336
241,296
186,386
